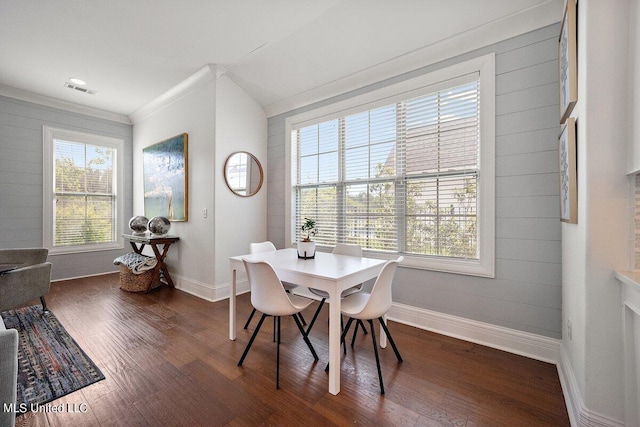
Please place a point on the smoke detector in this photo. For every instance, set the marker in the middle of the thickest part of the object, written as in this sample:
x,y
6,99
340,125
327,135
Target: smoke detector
x,y
80,88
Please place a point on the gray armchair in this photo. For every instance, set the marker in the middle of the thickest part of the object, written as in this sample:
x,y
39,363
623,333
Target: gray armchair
x,y
29,281
8,375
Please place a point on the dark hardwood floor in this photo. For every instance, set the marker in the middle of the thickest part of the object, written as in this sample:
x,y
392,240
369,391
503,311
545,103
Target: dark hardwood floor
x,y
168,362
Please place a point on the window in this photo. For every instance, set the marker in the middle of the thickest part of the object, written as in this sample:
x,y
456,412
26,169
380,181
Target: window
x,y
405,173
83,177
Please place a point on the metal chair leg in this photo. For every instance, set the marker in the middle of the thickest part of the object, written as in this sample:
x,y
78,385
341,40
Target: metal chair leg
x,y
253,337
344,334
44,304
305,337
375,350
393,344
315,315
246,325
355,331
299,314
304,322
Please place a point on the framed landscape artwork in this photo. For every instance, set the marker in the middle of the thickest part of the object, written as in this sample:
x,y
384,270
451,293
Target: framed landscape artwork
x,y
567,62
165,175
568,174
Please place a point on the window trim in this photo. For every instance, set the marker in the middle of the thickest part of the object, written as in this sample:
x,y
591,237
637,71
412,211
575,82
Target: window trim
x,y
430,82
48,136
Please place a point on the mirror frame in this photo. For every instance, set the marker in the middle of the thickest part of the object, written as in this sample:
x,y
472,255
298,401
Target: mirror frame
x,y
255,159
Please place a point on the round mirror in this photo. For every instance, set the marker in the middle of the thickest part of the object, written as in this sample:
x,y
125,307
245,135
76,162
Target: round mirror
x,y
243,173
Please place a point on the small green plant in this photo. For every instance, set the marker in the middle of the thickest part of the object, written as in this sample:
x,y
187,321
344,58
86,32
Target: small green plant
x,y
308,229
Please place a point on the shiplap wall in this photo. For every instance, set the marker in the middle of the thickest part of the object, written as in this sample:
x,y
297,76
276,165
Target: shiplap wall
x,y
21,180
526,292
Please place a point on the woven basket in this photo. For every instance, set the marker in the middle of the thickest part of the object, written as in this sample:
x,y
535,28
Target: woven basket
x,y
136,282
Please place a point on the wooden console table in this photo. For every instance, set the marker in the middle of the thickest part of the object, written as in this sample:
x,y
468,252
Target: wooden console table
x,y
138,243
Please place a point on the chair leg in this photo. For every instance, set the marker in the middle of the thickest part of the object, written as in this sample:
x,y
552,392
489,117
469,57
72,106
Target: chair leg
x,y
278,354
342,337
393,344
353,338
246,325
304,322
299,314
346,329
305,337
44,304
355,331
375,350
315,315
344,334
362,326
253,337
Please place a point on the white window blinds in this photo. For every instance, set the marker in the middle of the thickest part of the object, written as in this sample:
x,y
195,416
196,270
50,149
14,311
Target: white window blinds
x,y
398,178
84,196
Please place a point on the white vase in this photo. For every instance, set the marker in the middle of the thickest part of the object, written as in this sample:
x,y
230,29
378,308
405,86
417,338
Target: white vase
x,y
306,249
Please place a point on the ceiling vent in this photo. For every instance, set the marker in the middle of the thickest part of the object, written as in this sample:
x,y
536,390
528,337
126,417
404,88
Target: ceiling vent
x,y
80,88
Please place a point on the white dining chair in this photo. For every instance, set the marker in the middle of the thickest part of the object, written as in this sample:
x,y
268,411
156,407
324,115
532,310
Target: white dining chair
x,y
339,249
374,305
267,246
269,297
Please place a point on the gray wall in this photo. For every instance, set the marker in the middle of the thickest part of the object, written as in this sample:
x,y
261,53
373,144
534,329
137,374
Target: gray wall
x,y
526,293
21,180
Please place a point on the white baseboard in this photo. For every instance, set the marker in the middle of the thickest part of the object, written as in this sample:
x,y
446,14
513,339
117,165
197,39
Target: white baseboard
x,y
517,342
85,276
579,415
208,291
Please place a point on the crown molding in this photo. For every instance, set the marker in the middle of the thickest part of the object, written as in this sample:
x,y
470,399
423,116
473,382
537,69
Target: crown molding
x,y
536,17
24,95
206,74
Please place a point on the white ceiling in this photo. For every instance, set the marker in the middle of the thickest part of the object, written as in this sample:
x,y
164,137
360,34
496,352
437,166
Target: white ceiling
x,y
133,51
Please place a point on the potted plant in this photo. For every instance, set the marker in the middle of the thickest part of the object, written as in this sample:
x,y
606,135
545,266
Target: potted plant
x,y
307,247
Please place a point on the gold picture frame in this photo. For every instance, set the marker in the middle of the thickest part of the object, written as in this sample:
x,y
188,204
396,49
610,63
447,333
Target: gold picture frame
x,y
568,173
165,173
567,62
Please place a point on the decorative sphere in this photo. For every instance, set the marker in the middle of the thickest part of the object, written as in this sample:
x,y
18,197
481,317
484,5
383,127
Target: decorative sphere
x,y
159,225
138,224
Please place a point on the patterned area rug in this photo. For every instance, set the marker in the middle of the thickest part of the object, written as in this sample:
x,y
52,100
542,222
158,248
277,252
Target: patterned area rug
x,y
50,362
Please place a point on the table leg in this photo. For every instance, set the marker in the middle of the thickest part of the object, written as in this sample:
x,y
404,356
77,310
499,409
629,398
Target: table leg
x,y
383,335
135,247
232,306
163,266
160,266
334,341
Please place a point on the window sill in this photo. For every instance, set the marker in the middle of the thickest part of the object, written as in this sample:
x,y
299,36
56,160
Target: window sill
x,y
84,249
452,266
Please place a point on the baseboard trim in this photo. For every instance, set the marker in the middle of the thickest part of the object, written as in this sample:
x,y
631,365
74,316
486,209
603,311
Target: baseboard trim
x,y
523,343
208,291
85,276
579,415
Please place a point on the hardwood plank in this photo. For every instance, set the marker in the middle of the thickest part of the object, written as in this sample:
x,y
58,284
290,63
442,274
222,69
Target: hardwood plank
x,y
168,362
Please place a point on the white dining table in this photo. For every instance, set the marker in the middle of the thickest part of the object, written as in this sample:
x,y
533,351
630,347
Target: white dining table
x,y
328,272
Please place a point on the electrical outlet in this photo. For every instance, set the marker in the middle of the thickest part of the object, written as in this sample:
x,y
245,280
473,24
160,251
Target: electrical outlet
x,y
569,329
204,213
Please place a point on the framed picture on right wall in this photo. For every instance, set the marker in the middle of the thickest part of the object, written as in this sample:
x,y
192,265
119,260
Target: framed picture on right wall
x,y
567,62
568,173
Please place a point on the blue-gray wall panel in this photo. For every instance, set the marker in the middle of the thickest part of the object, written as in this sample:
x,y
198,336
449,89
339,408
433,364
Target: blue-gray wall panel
x,y
21,180
526,293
